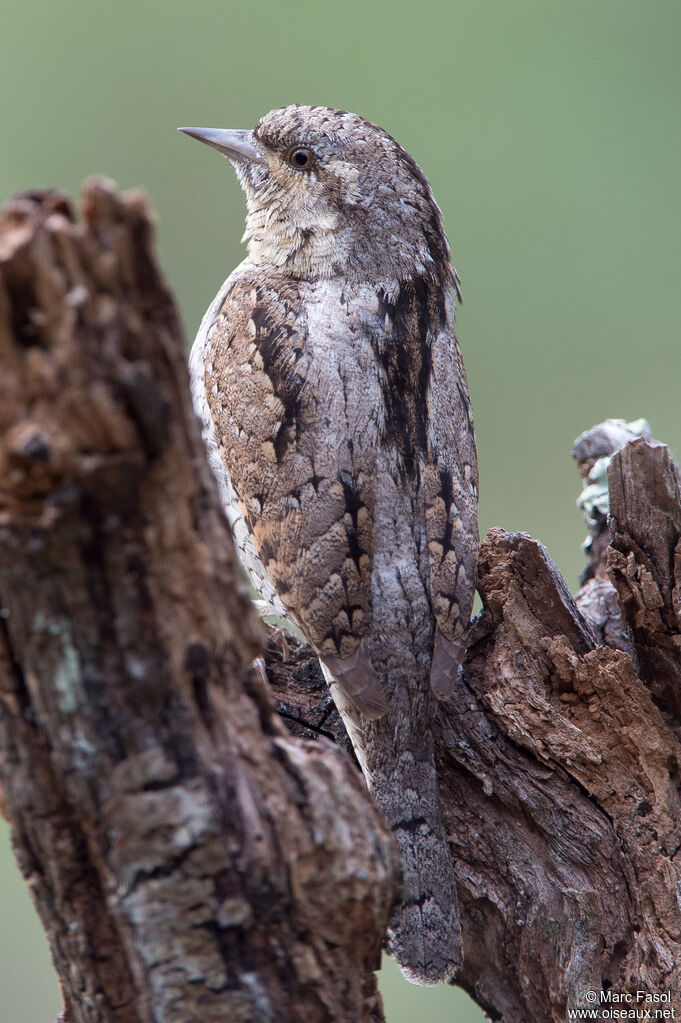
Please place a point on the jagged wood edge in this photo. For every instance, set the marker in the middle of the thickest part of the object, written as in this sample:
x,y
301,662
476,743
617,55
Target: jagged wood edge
x,y
559,772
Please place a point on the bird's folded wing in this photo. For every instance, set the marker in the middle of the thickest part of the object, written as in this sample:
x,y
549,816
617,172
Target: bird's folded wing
x,y
287,422
450,480
358,681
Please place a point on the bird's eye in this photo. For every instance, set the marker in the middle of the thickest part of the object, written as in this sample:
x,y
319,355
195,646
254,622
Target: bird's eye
x,y
301,158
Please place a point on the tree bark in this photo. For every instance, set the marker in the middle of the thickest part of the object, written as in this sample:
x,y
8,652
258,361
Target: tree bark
x,y
180,846
192,859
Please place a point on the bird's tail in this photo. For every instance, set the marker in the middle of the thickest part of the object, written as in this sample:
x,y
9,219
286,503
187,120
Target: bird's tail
x,y
424,935
398,762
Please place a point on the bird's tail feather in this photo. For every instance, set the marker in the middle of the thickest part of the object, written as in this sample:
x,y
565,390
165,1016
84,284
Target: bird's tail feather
x,y
397,757
424,936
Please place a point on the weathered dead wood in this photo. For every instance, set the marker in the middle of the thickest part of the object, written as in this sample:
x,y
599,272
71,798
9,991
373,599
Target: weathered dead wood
x,y
189,859
597,599
644,563
560,780
209,863
559,773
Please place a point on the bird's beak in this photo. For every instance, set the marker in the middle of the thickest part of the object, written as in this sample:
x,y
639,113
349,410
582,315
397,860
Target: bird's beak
x,y
232,143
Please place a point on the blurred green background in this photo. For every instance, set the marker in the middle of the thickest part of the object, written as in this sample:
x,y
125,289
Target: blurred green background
x,y
551,132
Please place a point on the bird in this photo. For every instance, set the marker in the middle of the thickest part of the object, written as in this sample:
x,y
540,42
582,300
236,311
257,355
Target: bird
x,y
338,423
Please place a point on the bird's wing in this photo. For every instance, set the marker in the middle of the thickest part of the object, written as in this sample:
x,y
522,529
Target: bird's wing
x,y
427,419
285,434
450,481
242,539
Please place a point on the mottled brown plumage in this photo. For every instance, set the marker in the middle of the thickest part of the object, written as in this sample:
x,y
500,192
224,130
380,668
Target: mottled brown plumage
x,y
338,422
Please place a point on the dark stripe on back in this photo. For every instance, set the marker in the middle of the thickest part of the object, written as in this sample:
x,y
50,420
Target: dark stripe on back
x,y
404,354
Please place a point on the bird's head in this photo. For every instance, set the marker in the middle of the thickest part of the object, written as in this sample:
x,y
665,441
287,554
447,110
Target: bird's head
x,y
329,193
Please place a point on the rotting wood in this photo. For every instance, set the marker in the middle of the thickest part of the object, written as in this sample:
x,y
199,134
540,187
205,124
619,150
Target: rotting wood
x,y
187,854
189,859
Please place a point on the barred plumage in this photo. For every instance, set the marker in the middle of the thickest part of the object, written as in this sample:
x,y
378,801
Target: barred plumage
x,y
337,417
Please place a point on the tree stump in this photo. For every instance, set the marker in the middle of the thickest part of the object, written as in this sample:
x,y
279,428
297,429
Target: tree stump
x,y
195,855
180,845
